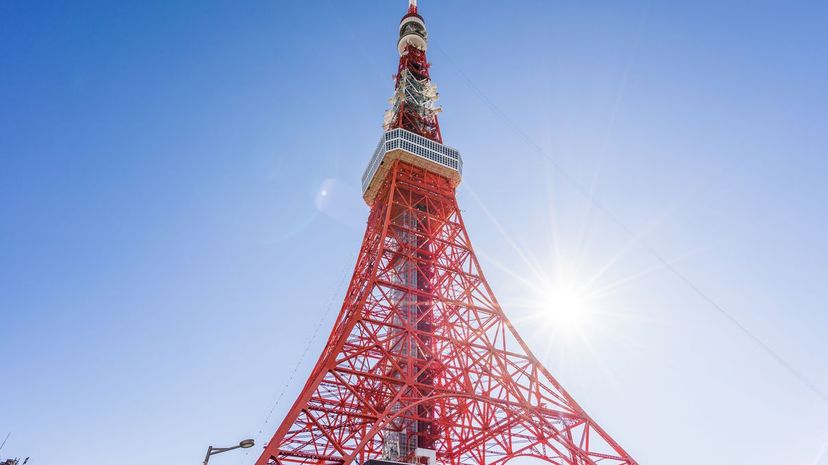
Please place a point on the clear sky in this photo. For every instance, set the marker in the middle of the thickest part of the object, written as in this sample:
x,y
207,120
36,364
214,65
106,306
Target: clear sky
x,y
169,266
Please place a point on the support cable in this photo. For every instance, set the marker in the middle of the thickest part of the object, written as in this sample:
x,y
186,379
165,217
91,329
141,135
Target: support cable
x,y
331,304
665,263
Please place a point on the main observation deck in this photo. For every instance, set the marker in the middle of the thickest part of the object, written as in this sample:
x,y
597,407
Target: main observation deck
x,y
400,144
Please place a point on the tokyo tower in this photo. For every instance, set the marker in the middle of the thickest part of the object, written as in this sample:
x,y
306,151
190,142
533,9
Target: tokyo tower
x,y
422,366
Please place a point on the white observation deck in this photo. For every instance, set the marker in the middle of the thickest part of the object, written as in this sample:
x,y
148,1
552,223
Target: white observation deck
x,y
400,144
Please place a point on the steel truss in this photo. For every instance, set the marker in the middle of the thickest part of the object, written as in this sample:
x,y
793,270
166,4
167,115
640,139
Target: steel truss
x,y
422,349
414,99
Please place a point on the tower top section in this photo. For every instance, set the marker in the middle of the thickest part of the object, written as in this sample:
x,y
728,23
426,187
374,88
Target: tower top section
x,y
412,132
412,30
415,98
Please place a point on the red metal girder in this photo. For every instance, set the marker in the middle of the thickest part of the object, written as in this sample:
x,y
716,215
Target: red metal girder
x,y
468,365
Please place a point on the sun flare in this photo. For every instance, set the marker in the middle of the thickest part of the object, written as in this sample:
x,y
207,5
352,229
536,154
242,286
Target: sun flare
x,y
566,305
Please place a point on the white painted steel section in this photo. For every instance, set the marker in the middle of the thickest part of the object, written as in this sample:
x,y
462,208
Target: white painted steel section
x,y
414,144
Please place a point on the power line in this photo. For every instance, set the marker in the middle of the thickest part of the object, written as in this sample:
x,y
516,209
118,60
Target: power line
x,y
311,340
665,263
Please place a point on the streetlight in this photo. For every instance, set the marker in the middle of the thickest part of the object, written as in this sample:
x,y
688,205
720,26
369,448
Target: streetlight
x,y
246,444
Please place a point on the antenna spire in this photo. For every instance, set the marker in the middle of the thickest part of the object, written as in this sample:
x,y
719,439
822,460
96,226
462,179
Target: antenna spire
x,y
412,6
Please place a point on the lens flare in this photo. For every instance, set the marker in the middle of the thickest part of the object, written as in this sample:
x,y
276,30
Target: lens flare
x,y
566,304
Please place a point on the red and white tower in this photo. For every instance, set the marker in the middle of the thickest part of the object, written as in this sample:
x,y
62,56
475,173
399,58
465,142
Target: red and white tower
x,y
422,365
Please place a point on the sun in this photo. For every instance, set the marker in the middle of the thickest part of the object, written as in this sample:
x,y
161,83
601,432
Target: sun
x,y
565,304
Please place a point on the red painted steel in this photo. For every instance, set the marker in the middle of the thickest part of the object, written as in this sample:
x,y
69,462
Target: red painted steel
x,y
410,114
408,117
421,350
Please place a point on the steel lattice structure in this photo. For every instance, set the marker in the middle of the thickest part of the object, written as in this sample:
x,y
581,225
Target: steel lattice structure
x,y
421,356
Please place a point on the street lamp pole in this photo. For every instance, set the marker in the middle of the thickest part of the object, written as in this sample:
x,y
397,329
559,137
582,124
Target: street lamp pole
x,y
247,443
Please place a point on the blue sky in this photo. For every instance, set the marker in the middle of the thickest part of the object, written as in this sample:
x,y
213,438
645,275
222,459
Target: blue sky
x,y
169,268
